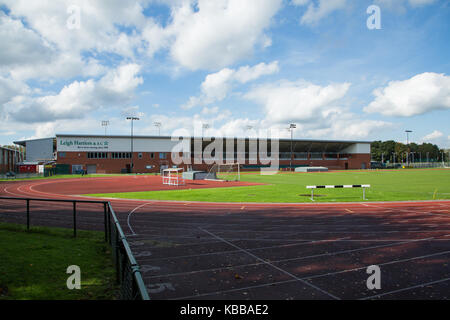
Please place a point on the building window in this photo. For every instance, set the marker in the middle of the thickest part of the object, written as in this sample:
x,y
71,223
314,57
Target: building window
x,y
97,155
162,155
152,155
140,155
62,154
121,155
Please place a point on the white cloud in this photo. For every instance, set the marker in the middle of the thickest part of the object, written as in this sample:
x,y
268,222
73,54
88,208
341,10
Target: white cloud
x,y
317,12
217,86
417,3
300,2
433,136
43,47
10,88
297,101
78,98
247,73
29,50
216,34
420,94
210,111
400,6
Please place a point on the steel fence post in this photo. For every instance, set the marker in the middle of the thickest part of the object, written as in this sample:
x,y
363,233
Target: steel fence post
x,y
74,219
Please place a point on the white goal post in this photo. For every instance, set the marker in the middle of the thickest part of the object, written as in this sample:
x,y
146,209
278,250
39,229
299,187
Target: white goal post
x,y
224,172
173,177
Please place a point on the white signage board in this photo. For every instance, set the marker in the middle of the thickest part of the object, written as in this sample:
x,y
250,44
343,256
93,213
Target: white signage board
x,y
112,144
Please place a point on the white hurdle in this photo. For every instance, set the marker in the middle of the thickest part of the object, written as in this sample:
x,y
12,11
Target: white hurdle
x,y
363,186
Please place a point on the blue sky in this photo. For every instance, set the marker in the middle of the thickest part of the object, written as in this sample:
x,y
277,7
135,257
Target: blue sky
x,y
67,65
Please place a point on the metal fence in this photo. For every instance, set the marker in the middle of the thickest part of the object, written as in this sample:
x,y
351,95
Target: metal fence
x,y
128,272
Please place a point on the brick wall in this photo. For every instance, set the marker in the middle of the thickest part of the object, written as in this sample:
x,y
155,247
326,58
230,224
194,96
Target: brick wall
x,y
109,165
7,162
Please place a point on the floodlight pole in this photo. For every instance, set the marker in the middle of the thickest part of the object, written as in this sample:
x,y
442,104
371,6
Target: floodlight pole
x,y
105,123
204,126
158,125
407,144
292,126
132,119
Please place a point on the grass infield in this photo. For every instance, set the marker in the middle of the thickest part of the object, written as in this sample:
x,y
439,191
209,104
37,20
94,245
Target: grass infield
x,y
33,264
386,185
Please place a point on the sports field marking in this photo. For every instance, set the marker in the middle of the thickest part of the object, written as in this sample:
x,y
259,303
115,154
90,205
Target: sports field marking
x,y
348,210
412,211
407,229
406,289
312,277
271,265
129,215
289,259
236,251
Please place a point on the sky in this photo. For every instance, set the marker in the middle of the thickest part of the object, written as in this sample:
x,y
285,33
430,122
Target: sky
x,y
338,69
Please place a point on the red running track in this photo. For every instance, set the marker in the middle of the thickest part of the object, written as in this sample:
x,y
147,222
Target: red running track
x,y
257,251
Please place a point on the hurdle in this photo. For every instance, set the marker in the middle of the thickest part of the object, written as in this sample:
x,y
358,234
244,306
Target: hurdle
x,y
363,186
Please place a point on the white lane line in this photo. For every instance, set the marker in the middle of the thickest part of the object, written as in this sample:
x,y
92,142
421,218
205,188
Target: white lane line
x,y
236,251
406,289
309,277
293,259
271,265
129,215
413,212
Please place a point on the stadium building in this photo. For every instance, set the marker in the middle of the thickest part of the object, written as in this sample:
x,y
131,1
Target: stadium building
x,y
147,154
9,158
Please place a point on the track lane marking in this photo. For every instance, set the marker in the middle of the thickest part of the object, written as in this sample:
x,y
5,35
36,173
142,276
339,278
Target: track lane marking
x,y
422,285
294,259
271,265
129,215
310,277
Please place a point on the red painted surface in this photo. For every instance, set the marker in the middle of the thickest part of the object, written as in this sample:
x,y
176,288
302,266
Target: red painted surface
x,y
27,168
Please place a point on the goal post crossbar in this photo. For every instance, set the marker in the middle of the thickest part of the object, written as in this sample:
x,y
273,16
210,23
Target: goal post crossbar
x,y
173,177
225,172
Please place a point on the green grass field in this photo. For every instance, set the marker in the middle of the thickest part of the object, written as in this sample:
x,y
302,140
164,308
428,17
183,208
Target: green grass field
x,y
33,264
386,185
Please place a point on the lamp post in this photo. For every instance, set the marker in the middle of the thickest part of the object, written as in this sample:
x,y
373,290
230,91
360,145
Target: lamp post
x,y
105,123
204,126
158,125
407,144
132,119
292,126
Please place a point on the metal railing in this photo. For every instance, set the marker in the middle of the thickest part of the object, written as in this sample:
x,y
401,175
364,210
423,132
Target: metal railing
x,y
128,273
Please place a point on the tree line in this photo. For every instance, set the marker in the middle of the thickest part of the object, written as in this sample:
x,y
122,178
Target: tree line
x,y
392,151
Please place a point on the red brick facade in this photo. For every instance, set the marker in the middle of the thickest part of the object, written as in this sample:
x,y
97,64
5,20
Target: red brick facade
x,y
143,162
7,160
